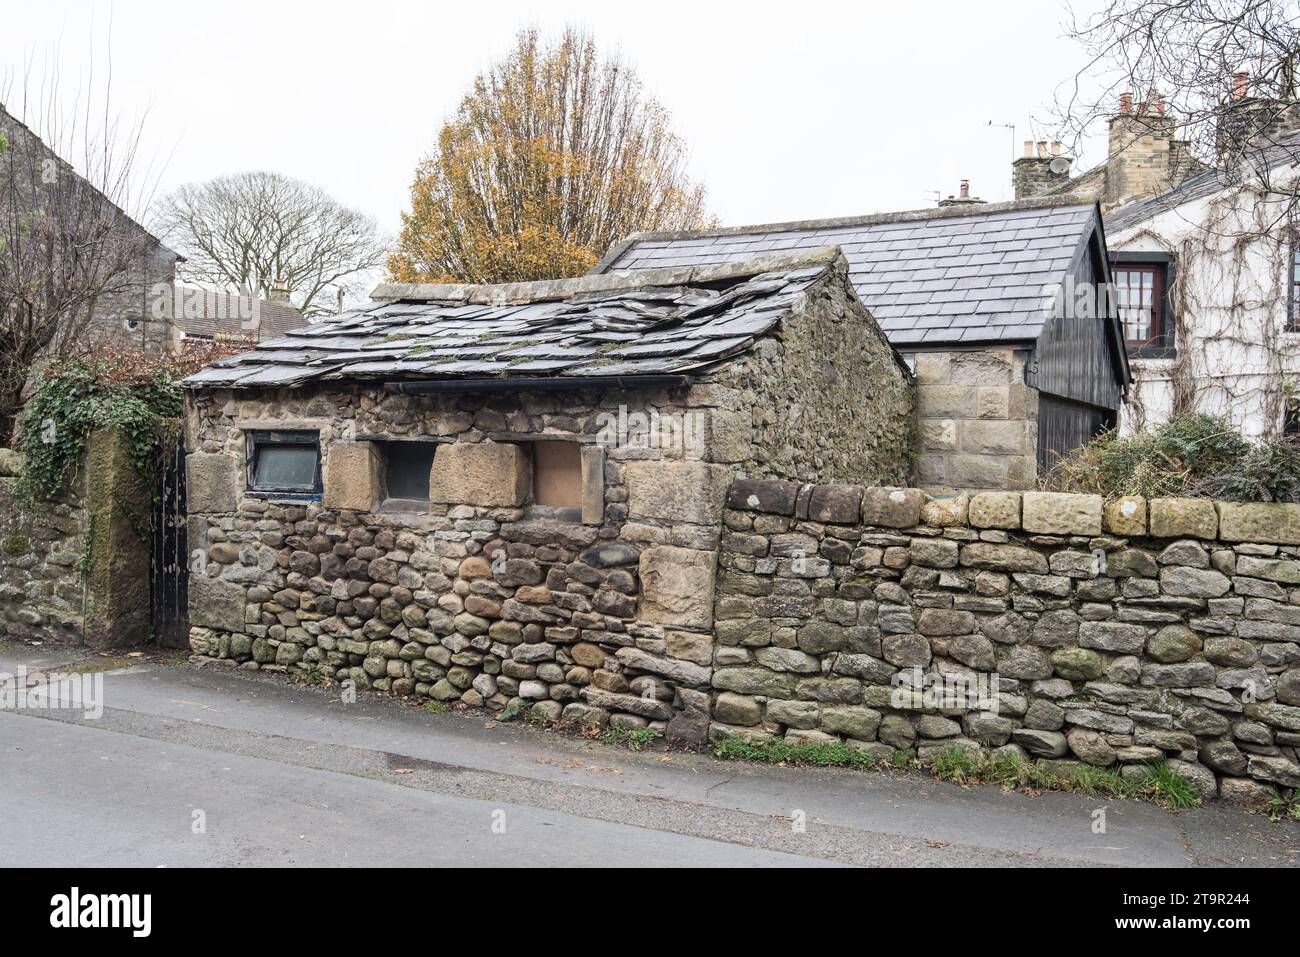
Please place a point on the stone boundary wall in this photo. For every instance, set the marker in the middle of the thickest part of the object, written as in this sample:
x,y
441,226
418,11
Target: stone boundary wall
x,y
1119,633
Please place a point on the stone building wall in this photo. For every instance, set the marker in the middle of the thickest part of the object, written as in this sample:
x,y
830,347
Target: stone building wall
x,y
977,420
477,596
1153,630
828,400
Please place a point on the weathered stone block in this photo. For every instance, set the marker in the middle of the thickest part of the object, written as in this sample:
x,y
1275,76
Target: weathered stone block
x,y
353,476
1126,516
995,510
1062,513
891,507
835,504
480,473
1183,518
945,510
677,586
682,491
216,604
993,436
593,484
1271,522
213,482
759,495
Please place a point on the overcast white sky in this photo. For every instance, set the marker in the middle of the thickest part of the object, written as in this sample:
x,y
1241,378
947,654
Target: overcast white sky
x,y
792,111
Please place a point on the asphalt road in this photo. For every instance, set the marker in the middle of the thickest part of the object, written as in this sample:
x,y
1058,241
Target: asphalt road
x,y
194,767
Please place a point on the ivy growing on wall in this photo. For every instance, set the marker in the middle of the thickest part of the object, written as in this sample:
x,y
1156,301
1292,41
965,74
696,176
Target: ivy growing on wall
x,y
80,396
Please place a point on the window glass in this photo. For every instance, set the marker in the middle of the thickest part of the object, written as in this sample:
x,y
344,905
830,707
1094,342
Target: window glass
x,y
286,467
285,462
408,465
1138,294
1295,286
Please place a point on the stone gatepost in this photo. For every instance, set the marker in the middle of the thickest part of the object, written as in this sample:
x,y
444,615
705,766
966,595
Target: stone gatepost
x,y
119,504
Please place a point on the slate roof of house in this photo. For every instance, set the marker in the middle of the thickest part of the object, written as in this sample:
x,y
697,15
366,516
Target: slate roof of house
x,y
230,314
960,274
1193,188
666,321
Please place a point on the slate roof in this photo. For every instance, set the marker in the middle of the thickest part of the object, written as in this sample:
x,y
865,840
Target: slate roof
x,y
225,314
961,274
1193,188
666,321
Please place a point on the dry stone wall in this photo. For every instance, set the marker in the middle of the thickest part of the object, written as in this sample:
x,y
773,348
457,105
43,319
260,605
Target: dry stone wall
x,y
1118,634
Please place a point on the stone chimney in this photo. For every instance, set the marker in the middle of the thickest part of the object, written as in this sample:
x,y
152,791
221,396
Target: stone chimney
x,y
279,291
1143,157
963,197
1250,123
1040,170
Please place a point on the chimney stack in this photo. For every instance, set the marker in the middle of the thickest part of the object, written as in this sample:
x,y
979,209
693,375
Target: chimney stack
x,y
1142,151
1240,84
1032,174
1248,124
963,197
279,292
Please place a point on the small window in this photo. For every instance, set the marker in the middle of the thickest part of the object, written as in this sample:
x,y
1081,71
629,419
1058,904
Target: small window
x,y
557,474
406,469
1140,294
284,463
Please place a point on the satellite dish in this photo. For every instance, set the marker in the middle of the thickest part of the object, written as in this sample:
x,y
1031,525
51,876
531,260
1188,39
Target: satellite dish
x,y
1060,166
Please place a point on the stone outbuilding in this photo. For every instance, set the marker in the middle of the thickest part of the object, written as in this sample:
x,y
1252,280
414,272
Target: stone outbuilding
x,y
1018,353
515,493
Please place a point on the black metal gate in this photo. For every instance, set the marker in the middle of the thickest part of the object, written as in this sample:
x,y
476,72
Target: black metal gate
x,y
169,570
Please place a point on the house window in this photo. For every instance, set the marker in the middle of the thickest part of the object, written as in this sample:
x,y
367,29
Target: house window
x,y
557,474
406,469
284,463
1293,286
1140,293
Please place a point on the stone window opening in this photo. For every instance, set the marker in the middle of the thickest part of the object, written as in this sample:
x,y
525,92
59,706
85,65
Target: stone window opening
x,y
557,474
284,463
406,469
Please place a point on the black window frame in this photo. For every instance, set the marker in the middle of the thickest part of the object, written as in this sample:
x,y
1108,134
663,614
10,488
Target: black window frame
x,y
1163,345
267,438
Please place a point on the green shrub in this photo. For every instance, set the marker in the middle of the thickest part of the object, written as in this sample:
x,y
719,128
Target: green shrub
x,y
1195,455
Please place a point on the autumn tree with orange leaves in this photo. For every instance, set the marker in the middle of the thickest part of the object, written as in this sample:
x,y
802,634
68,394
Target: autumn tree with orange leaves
x,y
556,154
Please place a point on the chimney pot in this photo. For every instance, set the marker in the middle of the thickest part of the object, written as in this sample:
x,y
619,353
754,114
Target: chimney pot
x,y
965,189
1240,84
1029,148
1056,147
1126,102
1042,148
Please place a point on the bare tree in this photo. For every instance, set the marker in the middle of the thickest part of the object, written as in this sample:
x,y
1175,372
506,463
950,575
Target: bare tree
x,y
1226,69
255,231
67,244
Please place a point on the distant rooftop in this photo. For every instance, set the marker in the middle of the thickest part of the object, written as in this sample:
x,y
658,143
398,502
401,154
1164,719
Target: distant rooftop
x,y
1195,187
206,314
958,274
662,321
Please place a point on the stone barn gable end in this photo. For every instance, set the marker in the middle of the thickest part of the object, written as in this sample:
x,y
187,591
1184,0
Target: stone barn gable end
x,y
1017,356
515,493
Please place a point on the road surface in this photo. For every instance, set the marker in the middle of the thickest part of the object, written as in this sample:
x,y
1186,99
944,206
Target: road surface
x,y
203,767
